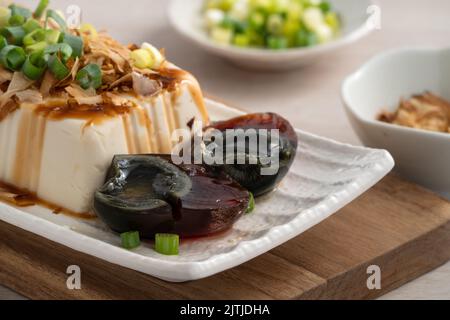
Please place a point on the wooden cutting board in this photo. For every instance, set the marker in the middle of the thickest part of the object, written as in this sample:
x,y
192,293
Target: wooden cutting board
x,y
400,227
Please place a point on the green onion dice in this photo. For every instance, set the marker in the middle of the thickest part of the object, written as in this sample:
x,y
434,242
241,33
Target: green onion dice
x,y
16,20
52,36
42,6
90,76
272,24
75,42
251,204
130,240
12,57
14,35
5,14
30,25
57,67
167,244
20,11
35,66
34,37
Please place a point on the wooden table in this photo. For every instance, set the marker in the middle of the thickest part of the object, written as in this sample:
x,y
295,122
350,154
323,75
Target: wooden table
x,y
309,97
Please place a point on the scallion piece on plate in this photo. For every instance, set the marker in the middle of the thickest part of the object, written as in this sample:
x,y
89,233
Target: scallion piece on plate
x,y
39,46
52,14
52,36
42,6
3,42
167,244
30,25
16,20
14,35
130,240
12,57
35,65
5,14
57,67
90,76
20,11
251,204
36,36
63,50
76,43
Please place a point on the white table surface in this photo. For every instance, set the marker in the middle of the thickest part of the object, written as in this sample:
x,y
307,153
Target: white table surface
x,y
309,97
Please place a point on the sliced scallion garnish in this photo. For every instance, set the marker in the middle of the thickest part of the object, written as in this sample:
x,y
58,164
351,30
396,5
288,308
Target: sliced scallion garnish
x,y
63,50
90,76
3,42
35,65
52,36
5,14
16,20
14,35
52,14
42,6
57,67
12,57
167,244
76,43
34,37
20,11
38,46
251,203
30,25
130,240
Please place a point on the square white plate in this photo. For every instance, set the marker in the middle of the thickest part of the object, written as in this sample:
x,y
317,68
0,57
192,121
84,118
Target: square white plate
x,y
325,176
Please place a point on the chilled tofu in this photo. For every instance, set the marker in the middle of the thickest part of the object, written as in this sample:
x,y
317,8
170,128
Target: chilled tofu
x,y
63,161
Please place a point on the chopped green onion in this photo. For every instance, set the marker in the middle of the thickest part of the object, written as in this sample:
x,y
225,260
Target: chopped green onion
x,y
63,50
30,25
167,244
141,58
306,38
90,76
3,42
251,204
241,40
57,67
12,57
43,4
52,36
34,37
5,14
130,240
325,6
76,43
14,35
20,11
277,43
16,20
35,66
57,17
39,46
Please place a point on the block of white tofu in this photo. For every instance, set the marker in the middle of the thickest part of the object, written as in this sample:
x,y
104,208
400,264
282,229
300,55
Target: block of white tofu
x,y
63,161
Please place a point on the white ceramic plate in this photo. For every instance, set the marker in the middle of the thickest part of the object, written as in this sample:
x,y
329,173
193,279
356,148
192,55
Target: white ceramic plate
x,y
186,17
421,156
325,176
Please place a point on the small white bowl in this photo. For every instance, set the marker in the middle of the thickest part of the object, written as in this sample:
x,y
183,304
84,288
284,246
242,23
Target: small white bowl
x,y
187,19
422,156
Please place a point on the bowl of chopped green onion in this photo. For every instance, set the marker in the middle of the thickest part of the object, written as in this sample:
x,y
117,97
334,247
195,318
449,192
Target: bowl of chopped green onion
x,y
271,34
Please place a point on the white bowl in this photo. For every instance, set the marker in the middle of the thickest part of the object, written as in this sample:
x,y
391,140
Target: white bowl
x,y
186,17
422,156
